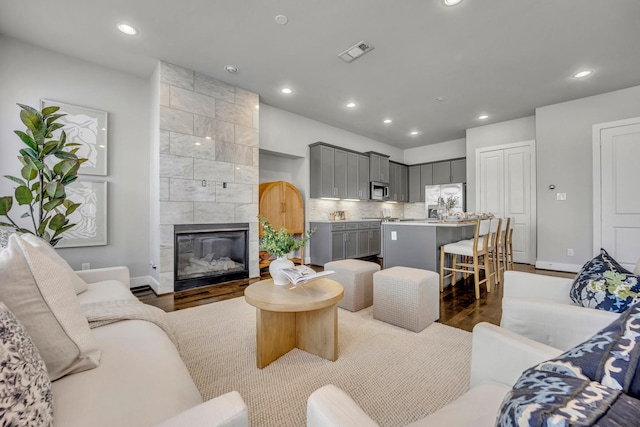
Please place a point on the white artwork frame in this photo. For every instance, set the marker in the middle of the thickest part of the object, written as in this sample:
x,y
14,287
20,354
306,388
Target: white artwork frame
x,y
90,218
87,127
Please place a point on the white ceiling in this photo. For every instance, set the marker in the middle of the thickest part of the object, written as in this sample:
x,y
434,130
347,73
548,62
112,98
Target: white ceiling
x,y
499,57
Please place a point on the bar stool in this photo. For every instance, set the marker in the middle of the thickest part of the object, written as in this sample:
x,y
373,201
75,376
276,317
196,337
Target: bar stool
x,y
478,252
495,231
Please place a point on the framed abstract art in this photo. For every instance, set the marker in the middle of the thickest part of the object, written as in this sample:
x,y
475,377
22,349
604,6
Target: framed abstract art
x,y
90,218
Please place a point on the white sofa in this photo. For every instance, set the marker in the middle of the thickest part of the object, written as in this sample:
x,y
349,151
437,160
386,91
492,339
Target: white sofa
x,y
498,359
539,307
141,379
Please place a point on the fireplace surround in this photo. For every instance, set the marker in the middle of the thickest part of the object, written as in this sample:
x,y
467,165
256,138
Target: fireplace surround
x,y
207,254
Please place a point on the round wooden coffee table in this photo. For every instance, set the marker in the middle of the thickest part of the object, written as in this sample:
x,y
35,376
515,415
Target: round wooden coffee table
x,y
304,316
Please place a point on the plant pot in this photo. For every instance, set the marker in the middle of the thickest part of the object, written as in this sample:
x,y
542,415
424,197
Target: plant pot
x,y
275,267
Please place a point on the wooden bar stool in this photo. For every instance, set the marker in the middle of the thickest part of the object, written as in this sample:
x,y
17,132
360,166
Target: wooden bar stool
x,y
477,258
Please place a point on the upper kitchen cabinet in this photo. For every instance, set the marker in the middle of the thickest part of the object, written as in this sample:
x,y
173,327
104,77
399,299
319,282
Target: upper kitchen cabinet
x,y
459,170
328,167
378,167
419,177
441,173
280,203
338,173
398,182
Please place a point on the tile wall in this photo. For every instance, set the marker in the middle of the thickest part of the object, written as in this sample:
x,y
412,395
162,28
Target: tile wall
x,y
208,159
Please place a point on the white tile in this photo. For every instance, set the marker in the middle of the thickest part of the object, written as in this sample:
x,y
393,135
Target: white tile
x,y
234,193
166,283
165,95
166,236
176,76
246,174
246,136
213,213
176,166
246,212
175,120
192,146
164,141
215,129
215,88
233,113
188,190
164,189
166,260
213,171
176,213
192,102
256,119
246,98
234,153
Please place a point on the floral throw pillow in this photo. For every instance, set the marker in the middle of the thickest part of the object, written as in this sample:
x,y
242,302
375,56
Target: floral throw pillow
x,y
605,285
26,398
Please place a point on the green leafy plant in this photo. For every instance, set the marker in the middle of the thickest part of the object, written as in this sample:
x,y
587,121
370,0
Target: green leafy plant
x,y
41,187
280,242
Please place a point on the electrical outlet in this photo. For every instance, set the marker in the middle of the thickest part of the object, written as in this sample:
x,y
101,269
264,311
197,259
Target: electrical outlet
x,y
561,196
569,252
86,265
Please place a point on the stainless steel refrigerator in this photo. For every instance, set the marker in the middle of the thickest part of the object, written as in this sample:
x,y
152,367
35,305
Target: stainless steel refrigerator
x,y
445,191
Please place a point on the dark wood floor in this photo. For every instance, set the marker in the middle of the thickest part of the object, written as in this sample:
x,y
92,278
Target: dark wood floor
x,y
458,306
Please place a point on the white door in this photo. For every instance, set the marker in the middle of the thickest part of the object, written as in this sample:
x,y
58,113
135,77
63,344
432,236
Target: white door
x,y
504,187
620,193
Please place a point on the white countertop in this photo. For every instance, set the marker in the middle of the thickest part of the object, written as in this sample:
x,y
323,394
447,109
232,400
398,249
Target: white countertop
x,y
334,221
431,223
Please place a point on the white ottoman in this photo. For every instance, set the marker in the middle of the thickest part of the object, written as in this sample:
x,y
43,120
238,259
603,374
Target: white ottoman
x,y
356,276
406,297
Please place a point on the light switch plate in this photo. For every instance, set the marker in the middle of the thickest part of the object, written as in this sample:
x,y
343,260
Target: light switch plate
x,y
394,235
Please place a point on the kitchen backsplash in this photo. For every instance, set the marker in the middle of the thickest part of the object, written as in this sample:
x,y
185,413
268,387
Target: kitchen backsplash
x,y
321,210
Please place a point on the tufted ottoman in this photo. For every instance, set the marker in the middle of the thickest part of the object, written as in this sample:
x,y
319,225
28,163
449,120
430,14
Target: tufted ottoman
x,y
356,276
406,297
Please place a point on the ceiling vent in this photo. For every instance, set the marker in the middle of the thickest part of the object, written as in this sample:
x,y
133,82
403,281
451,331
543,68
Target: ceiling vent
x,y
355,51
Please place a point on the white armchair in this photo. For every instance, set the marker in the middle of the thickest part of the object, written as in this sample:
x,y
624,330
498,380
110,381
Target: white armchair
x,y
498,359
539,307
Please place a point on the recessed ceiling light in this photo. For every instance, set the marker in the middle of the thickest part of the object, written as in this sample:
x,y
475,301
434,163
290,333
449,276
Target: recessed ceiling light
x,y
351,105
286,91
232,69
483,117
127,29
414,133
387,121
582,74
281,19
450,2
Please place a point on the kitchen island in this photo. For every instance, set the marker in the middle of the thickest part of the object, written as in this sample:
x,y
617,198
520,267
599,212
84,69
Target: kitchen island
x,y
417,243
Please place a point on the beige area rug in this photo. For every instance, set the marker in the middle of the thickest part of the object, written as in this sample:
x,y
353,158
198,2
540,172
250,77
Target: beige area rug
x,y
395,375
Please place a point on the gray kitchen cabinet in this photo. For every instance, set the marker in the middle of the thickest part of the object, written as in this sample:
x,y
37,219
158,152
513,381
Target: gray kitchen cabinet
x,y
459,170
363,177
393,182
404,183
398,185
416,194
378,167
342,240
442,173
328,167
353,189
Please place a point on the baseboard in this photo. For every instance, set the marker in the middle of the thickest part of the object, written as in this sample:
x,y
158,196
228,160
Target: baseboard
x,y
136,282
555,266
149,280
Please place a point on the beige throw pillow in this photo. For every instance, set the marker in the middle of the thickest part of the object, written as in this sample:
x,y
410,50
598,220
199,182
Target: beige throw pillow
x,y
39,293
79,285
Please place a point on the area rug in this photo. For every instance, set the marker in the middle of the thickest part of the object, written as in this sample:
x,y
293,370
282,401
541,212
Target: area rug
x,y
395,375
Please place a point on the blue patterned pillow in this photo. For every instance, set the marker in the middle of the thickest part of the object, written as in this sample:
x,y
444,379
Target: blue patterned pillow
x,y
594,383
605,285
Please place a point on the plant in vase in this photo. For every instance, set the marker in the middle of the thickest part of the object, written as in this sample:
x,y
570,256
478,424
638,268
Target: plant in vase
x,y
451,203
280,243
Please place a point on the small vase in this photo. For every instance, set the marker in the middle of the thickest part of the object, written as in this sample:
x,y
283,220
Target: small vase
x,y
275,267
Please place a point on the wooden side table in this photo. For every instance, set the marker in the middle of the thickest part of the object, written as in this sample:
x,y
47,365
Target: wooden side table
x,y
305,317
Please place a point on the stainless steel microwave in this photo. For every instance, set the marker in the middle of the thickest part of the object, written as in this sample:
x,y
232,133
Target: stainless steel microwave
x,y
379,191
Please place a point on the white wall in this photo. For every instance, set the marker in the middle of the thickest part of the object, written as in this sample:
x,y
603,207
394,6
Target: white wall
x,y
564,155
274,167
494,134
29,73
435,152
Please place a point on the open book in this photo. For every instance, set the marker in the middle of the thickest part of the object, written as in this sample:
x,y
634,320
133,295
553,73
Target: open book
x,y
301,274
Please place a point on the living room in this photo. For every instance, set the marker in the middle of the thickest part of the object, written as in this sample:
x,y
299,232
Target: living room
x,y
36,67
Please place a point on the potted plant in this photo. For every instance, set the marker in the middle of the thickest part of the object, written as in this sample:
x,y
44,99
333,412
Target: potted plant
x,y
280,243
48,165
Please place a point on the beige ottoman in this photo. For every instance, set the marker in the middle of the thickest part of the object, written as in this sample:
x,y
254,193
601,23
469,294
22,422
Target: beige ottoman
x,y
406,297
356,276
